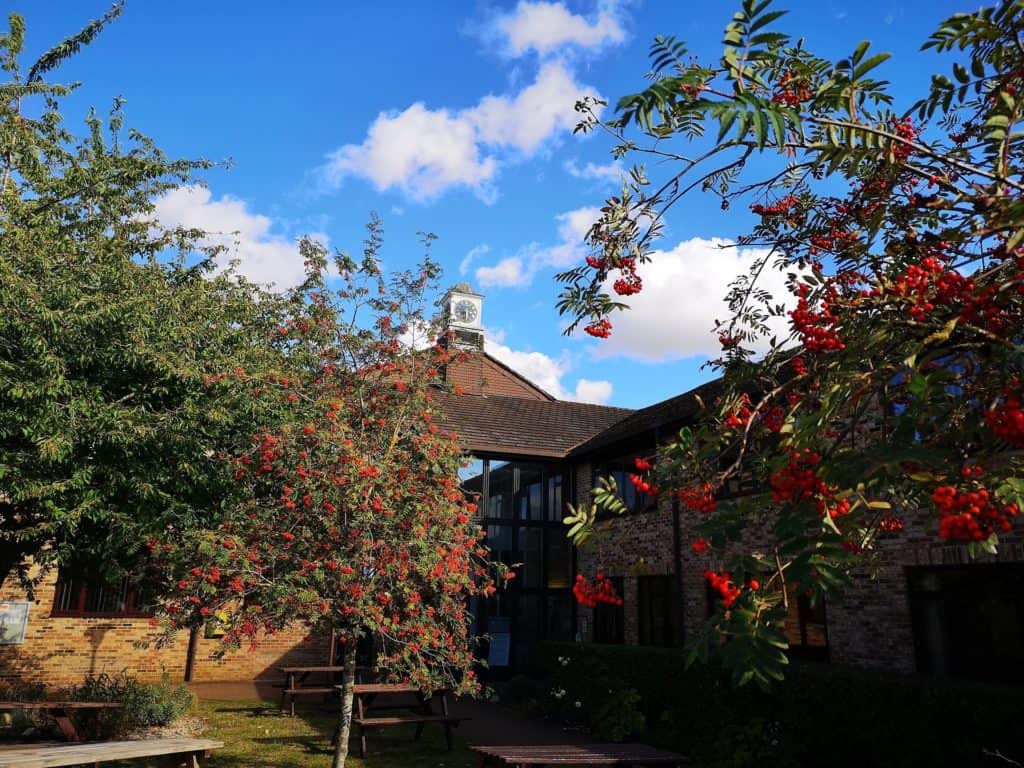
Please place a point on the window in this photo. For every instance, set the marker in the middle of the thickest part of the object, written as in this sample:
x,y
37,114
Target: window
x,y
805,628
656,614
84,593
610,620
620,469
968,621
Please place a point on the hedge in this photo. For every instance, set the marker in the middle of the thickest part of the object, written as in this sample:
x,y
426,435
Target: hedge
x,y
821,715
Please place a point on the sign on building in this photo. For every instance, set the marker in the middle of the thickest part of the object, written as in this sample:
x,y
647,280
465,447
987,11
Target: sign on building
x,y
13,622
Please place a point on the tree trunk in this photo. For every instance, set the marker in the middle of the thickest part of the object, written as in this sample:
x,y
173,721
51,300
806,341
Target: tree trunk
x,y
190,654
348,682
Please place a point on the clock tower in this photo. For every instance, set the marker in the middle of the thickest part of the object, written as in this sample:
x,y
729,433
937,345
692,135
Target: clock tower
x,y
461,307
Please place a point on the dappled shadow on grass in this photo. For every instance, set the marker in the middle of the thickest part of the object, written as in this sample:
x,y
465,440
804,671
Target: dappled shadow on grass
x,y
258,736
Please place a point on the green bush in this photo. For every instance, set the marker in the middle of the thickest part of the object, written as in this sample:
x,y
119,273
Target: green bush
x,y
144,704
820,715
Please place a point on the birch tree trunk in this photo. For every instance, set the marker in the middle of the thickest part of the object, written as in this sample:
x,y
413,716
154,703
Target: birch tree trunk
x,y
347,696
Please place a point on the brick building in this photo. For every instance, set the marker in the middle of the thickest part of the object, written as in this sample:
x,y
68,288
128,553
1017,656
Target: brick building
x,y
929,610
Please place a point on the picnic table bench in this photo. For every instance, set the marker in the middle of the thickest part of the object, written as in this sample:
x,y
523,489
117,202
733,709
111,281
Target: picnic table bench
x,y
175,753
421,713
295,678
626,755
61,711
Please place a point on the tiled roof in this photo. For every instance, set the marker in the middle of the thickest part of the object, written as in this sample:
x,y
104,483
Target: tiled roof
x,y
523,426
668,414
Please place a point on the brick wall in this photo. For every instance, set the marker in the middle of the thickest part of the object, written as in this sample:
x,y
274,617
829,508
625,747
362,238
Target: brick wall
x,y
61,651
869,622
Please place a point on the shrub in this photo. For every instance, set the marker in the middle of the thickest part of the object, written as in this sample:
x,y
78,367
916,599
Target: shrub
x,y
144,704
820,715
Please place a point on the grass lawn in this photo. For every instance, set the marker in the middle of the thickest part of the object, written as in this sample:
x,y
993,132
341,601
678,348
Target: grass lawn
x,y
257,735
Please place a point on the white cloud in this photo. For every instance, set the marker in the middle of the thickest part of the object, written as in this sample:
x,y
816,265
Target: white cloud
x,y
537,112
507,272
263,257
424,152
420,151
610,173
548,373
546,27
519,270
588,391
684,292
474,253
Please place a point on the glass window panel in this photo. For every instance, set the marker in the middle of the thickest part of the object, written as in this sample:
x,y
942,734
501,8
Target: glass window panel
x,y
610,620
554,493
559,618
530,500
471,478
558,559
499,539
528,627
502,489
654,597
531,555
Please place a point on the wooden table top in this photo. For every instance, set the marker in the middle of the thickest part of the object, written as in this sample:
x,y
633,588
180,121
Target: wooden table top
x,y
368,688
582,754
53,755
60,705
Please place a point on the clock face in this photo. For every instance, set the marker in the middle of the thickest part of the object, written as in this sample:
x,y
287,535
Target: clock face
x,y
464,311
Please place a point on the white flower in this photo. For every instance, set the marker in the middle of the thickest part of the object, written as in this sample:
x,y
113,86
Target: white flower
x,y
558,693
578,704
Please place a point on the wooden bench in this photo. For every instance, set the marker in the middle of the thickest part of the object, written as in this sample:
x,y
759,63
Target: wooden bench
x,y
420,713
625,755
295,677
175,753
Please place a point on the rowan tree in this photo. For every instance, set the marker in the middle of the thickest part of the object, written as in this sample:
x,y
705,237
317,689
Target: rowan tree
x,y
895,398
109,325
353,519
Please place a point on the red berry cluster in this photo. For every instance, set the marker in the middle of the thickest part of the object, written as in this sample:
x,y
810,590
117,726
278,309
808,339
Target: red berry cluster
x,y
701,545
721,583
739,418
592,595
630,281
699,498
780,207
817,329
643,486
891,524
798,481
971,515
792,90
905,130
599,329
1006,419
774,418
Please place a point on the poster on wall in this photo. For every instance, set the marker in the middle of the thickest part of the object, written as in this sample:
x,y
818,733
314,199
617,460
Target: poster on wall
x,y
501,641
13,622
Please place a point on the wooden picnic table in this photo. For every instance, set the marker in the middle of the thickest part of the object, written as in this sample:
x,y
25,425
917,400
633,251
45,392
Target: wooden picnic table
x,y
173,753
625,755
420,713
61,711
296,677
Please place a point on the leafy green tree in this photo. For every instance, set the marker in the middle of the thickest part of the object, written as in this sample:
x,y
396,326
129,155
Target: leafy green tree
x,y
894,403
110,329
352,518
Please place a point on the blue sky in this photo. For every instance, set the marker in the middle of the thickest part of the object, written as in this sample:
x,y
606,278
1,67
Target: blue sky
x,y
450,117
